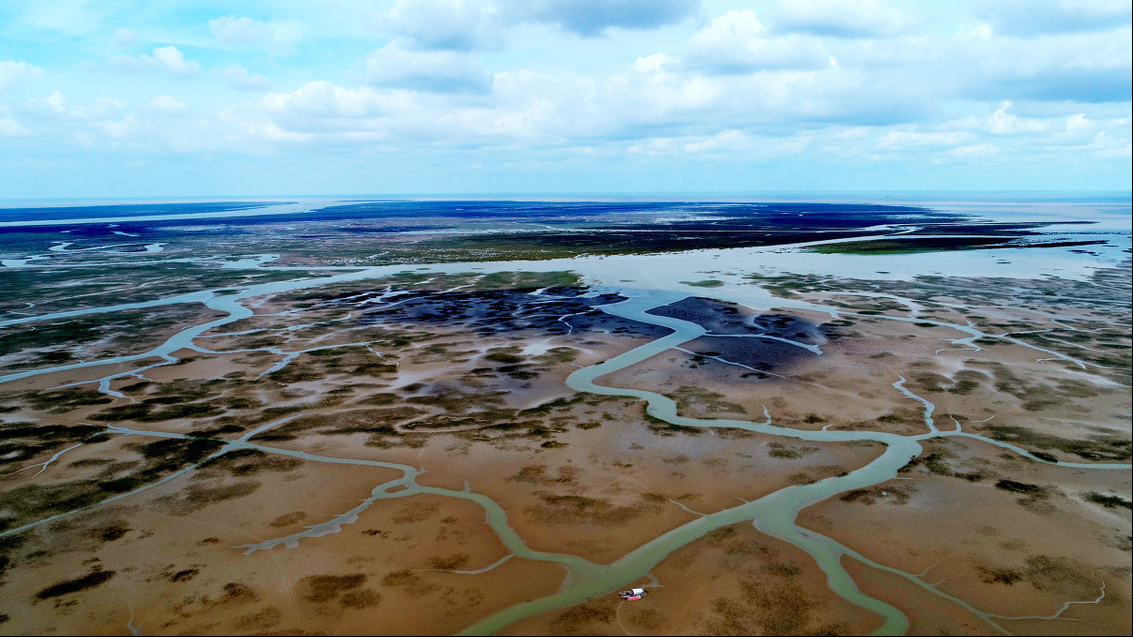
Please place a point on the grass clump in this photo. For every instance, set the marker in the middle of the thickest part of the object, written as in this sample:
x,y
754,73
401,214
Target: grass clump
x,y
324,588
450,562
1004,576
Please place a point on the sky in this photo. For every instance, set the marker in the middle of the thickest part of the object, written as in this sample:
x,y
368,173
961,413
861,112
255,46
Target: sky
x,y
202,98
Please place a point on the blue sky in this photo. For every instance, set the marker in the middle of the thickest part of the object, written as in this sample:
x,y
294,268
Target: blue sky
x,y
115,98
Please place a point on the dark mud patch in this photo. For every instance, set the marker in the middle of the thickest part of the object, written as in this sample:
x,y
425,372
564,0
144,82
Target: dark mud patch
x,y
720,317
488,312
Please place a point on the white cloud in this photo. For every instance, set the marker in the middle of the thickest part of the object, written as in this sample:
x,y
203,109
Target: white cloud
x,y
276,37
238,77
722,141
974,152
323,98
167,60
10,128
593,17
166,104
737,42
1003,123
655,146
554,79
12,71
434,71
124,37
652,63
1029,17
912,139
841,18
459,25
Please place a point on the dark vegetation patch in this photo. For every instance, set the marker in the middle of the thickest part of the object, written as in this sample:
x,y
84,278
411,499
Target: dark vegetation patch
x,y
380,399
490,311
111,532
720,317
378,421
726,225
558,355
1108,501
82,583
452,562
237,593
537,474
768,606
246,462
503,357
1020,487
144,412
170,454
782,451
1034,496
287,519
578,509
361,598
666,428
184,575
415,512
324,588
259,621
999,575
410,581
1055,574
33,501
591,618
913,244
897,494
937,463
1095,447
46,433
703,400
161,458
198,496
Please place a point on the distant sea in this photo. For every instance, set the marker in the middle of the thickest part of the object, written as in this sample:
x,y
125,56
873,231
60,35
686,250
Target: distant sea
x,y
1103,211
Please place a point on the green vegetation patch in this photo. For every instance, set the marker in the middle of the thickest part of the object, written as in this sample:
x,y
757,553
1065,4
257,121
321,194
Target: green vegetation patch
x,y
526,280
706,283
504,357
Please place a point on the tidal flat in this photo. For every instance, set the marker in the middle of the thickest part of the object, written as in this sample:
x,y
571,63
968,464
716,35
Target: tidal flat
x,y
488,417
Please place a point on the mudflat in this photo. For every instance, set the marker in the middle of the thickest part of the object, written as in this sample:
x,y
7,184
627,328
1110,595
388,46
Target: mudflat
x,y
768,438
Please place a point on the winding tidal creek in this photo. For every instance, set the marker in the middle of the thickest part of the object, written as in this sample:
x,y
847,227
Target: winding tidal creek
x,y
773,514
